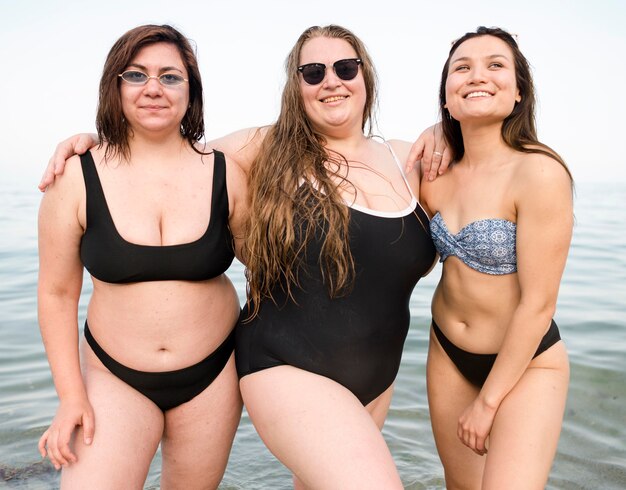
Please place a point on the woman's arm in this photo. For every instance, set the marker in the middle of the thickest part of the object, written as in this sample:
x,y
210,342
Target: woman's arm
x,y
60,281
74,145
544,229
243,146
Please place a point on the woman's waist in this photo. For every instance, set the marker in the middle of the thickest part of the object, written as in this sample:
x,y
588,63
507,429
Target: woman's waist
x,y
162,334
157,349
476,322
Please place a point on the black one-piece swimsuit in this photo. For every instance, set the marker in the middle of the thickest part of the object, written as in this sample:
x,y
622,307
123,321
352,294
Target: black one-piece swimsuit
x,y
356,339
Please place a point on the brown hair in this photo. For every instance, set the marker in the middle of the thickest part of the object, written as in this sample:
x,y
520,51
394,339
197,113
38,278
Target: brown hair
x,y
518,129
285,214
110,122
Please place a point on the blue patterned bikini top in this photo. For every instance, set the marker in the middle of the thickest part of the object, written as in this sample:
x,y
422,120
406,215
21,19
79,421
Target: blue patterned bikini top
x,y
486,245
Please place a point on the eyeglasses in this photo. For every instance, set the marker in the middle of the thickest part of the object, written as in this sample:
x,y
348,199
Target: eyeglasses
x,y
135,77
314,73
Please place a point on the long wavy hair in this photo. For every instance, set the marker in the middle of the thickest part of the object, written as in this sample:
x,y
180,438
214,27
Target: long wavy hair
x,y
518,129
110,121
285,214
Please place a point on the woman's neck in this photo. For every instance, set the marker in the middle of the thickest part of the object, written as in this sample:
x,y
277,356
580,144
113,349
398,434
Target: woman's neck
x,y
347,145
157,147
483,144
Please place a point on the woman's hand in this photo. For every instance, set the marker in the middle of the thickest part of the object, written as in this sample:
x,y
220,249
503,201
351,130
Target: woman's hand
x,y
55,442
75,145
431,149
475,425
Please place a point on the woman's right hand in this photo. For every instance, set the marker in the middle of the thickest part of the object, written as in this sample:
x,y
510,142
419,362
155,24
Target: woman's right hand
x,y
75,145
431,150
55,442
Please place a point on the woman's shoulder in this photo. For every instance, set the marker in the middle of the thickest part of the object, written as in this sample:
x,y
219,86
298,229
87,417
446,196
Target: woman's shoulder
x,y
71,177
540,169
66,194
400,148
539,178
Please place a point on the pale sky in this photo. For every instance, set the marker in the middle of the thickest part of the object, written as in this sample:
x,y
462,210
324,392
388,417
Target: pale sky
x,y
53,52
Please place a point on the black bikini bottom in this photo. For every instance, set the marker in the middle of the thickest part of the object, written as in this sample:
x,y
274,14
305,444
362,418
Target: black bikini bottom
x,y
476,367
168,389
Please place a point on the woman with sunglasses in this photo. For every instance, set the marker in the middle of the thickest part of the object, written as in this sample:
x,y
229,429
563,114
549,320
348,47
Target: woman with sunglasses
x,y
497,370
153,220
336,242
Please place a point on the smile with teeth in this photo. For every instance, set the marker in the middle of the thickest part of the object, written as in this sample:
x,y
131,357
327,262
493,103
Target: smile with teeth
x,y
477,94
334,98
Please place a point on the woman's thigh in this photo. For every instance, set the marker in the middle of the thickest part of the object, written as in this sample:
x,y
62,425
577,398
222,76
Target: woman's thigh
x,y
128,428
199,434
526,429
319,430
449,394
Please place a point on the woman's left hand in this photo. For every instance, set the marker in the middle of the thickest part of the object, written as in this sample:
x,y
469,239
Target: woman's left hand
x,y
475,425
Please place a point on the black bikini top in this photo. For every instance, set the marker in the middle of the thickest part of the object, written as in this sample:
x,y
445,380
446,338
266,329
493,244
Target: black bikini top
x,y
110,258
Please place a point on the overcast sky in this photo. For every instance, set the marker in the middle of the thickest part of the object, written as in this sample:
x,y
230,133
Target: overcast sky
x,y
53,52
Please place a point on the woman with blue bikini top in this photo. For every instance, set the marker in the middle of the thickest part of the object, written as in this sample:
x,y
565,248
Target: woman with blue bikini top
x,y
502,223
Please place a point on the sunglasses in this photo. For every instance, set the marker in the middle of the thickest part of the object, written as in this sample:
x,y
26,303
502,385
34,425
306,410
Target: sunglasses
x,y
314,73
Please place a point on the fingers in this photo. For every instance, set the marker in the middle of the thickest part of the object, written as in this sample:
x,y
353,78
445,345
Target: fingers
x,y
77,144
472,440
445,160
66,454
88,428
415,155
48,176
55,444
480,447
42,444
435,163
53,451
85,142
56,164
429,158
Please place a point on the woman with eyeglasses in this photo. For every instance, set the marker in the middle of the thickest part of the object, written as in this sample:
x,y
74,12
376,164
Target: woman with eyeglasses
x,y
156,223
502,224
336,240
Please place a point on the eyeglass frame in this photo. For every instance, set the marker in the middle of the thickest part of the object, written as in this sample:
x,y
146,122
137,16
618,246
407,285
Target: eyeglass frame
x,y
149,77
359,62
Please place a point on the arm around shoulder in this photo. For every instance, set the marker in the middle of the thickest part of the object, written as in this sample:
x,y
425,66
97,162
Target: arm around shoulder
x,y
243,146
74,145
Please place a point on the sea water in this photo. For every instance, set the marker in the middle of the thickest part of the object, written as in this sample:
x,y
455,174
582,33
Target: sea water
x,y
591,316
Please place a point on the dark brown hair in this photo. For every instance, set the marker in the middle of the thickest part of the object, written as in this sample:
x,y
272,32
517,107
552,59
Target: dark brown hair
x,y
281,220
111,125
518,129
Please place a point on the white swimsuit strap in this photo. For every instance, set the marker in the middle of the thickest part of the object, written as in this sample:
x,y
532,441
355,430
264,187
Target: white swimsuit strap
x,y
406,181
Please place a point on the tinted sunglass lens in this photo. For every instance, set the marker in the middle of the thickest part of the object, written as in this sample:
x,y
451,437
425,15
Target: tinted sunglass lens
x,y
313,74
171,79
346,69
135,77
